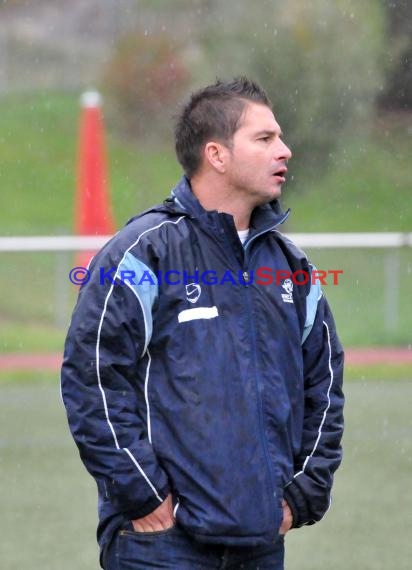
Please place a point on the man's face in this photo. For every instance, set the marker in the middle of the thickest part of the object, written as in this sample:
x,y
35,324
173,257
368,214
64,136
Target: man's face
x,y
256,164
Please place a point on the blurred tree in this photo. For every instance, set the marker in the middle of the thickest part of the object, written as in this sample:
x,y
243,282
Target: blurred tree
x,y
144,78
397,91
319,61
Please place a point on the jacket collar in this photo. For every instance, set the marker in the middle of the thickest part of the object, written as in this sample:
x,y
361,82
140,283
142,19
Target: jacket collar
x,y
264,218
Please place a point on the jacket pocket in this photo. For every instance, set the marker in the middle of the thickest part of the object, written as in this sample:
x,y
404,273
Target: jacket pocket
x,y
128,530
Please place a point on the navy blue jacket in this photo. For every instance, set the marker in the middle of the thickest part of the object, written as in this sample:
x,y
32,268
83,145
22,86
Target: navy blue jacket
x,y
187,372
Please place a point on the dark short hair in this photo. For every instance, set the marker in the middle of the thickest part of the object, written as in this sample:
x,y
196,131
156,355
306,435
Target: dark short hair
x,y
213,112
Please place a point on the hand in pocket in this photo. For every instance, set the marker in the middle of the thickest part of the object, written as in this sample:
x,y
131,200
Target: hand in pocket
x,y
160,519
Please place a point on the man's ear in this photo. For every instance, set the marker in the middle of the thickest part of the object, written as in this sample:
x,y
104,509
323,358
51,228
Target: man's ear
x,y
216,154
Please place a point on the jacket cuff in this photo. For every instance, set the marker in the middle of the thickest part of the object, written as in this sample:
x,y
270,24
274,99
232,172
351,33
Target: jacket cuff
x,y
148,507
297,503
132,507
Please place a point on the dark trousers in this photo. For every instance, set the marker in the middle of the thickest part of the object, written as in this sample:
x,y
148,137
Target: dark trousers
x,y
173,549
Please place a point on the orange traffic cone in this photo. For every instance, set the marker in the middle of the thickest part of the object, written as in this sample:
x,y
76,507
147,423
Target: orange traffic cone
x,y
93,215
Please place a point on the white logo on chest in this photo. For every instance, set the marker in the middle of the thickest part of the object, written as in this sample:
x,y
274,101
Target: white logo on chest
x,y
193,292
288,287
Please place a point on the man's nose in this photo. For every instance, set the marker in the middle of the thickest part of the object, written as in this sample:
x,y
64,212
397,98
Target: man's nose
x,y
283,151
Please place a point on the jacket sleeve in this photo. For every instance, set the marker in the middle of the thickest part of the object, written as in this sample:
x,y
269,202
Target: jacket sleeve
x,y
308,493
103,388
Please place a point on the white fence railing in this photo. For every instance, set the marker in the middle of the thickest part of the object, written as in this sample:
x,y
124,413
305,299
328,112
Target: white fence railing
x,y
321,240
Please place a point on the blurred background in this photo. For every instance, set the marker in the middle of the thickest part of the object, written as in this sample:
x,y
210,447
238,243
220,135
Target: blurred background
x,y
339,75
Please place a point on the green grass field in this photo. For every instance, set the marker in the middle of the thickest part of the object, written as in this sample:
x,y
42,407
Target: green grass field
x,y
49,500
46,496
366,188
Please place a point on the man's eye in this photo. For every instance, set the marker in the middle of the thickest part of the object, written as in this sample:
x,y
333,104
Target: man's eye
x,y
265,139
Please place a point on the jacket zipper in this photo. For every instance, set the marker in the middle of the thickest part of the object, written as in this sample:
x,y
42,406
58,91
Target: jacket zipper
x,y
246,275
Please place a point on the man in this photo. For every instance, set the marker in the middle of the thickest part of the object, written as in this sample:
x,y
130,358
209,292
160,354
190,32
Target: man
x,y
206,401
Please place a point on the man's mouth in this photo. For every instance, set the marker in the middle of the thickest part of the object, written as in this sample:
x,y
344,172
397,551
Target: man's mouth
x,y
280,174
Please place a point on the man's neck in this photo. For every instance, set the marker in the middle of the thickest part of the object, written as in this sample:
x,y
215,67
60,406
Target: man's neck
x,y
215,196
